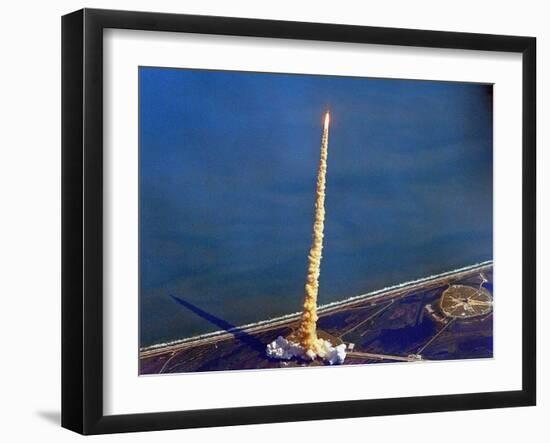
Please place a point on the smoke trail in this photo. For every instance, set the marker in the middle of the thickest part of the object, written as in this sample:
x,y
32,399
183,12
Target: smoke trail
x,y
307,333
305,344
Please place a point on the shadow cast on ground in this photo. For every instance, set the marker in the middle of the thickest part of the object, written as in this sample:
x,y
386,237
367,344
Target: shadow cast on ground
x,y
53,417
237,332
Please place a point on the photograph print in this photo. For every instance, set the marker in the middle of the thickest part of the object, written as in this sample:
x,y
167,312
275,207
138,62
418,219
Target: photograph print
x,y
296,221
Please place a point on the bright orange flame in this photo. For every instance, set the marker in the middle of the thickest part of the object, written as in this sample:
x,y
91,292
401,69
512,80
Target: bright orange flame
x,y
327,120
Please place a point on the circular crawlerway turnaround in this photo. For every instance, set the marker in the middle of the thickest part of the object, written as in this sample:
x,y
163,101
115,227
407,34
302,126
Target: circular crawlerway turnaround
x,y
459,301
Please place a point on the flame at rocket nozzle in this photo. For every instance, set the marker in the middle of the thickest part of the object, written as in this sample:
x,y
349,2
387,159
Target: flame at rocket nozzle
x,y
327,119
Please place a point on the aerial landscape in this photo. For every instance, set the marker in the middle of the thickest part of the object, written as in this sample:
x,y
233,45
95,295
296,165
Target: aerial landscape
x,y
297,220
398,325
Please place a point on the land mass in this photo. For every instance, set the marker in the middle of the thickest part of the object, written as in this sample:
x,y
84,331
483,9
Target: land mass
x,y
444,317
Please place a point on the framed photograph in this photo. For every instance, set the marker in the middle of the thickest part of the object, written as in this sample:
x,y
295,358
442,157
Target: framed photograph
x,y
269,221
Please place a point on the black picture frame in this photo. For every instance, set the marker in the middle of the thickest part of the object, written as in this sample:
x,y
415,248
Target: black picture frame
x,y
82,220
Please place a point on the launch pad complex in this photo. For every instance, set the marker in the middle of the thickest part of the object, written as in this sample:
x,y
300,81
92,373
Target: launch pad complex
x,y
444,317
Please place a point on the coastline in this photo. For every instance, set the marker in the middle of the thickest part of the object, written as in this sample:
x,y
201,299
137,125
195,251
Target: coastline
x,y
277,322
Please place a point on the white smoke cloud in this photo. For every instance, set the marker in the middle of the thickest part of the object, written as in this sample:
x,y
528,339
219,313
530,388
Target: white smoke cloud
x,y
284,349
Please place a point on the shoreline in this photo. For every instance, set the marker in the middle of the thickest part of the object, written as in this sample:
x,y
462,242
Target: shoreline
x,y
263,325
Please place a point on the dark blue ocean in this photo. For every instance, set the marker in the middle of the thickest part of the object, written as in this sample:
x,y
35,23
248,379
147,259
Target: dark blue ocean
x,y
228,164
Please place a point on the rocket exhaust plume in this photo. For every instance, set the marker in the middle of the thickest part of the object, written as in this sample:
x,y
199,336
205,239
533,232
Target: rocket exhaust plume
x,y
305,343
307,333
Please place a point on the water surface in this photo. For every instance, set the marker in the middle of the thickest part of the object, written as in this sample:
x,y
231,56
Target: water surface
x,y
228,164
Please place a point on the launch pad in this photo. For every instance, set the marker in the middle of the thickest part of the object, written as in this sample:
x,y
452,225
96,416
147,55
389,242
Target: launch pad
x,y
460,301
